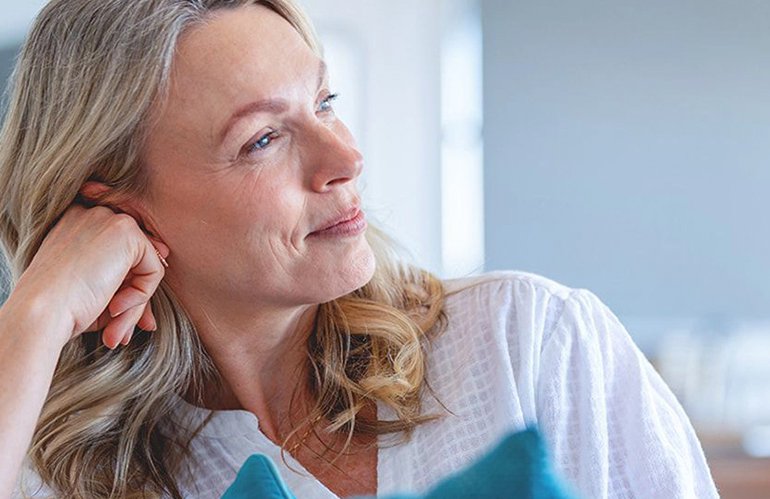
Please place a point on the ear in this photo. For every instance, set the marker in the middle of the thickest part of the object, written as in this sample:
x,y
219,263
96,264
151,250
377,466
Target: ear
x,y
94,193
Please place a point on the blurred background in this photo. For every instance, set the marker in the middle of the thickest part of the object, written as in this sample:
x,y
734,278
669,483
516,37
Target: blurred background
x,y
619,146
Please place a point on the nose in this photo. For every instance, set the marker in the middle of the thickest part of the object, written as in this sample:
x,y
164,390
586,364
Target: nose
x,y
335,157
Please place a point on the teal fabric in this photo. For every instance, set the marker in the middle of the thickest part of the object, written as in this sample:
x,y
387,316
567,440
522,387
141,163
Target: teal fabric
x,y
517,468
258,479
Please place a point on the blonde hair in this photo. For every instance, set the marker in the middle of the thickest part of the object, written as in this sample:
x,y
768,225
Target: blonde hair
x,y
80,101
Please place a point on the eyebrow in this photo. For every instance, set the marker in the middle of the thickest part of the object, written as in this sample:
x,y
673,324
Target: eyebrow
x,y
275,106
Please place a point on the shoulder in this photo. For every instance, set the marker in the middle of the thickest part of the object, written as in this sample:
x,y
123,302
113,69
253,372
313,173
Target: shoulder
x,y
528,318
541,324
490,358
501,322
512,279
519,294
511,302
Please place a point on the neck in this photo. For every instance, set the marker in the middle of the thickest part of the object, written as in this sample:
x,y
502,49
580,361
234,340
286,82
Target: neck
x,y
260,355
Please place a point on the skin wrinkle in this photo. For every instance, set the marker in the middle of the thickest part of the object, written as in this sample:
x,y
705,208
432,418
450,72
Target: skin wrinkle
x,y
279,261
242,130
282,105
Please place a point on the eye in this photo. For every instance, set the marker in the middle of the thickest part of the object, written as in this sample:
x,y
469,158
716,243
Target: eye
x,y
261,143
326,105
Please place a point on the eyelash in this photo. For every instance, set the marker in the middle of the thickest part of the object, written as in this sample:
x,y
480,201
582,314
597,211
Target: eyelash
x,y
254,146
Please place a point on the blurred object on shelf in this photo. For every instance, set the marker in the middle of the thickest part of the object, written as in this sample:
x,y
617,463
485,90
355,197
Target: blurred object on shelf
x,y
737,475
720,372
756,441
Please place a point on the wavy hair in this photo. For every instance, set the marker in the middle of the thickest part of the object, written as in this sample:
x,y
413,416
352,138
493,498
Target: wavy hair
x,y
78,108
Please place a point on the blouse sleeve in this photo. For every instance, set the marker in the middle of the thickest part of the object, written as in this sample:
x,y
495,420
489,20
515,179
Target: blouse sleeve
x,y
614,427
29,485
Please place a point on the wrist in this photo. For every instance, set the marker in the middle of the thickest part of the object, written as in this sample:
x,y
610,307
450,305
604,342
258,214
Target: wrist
x,y
35,317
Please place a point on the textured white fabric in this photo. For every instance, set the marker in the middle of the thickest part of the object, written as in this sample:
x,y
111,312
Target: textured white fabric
x,y
519,350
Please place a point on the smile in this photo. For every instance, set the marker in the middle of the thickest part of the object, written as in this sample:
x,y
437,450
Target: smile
x,y
351,227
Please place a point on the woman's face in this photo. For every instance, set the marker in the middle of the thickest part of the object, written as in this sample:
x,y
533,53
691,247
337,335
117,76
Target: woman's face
x,y
247,160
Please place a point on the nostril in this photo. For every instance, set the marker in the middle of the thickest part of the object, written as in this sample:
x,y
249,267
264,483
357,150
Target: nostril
x,y
339,181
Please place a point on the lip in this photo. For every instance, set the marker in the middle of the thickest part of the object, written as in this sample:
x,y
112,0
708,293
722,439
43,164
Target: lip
x,y
349,222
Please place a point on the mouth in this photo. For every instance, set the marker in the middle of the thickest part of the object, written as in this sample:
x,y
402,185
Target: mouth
x,y
351,223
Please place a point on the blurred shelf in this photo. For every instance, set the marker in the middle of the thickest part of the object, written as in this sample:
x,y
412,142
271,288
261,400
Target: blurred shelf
x,y
737,475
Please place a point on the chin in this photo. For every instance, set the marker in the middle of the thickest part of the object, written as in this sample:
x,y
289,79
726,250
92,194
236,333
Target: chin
x,y
351,274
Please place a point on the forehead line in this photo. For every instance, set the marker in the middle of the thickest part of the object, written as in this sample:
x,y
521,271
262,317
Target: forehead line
x,y
204,46
274,106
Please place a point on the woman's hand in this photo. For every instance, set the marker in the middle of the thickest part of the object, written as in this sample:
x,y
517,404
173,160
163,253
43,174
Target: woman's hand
x,y
96,269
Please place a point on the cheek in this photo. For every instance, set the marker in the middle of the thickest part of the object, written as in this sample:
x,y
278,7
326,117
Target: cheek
x,y
243,211
230,202
270,212
197,219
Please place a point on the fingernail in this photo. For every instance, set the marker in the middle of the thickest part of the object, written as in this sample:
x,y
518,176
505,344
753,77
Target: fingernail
x,y
128,336
104,342
117,313
126,307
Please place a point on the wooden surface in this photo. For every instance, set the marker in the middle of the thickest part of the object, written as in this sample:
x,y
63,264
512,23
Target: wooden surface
x,y
744,478
737,475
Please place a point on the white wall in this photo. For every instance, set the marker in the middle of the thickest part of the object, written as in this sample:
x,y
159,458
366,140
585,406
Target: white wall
x,y
627,149
15,16
396,116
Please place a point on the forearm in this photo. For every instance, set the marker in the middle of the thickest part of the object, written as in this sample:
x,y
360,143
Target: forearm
x,y
30,344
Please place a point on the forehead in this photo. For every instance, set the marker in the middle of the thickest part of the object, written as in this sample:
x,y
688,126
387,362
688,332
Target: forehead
x,y
236,56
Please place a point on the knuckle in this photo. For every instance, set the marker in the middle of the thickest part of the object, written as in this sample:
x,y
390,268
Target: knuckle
x,y
144,289
73,209
97,212
124,221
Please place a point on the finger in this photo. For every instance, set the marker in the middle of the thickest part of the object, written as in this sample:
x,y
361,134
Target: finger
x,y
126,298
162,248
159,245
126,280
121,326
100,322
147,321
147,267
147,275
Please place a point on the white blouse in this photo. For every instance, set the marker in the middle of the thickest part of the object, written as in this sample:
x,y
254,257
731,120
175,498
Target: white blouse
x,y
519,350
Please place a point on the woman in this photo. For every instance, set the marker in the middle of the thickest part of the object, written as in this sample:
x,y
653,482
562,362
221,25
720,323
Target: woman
x,y
176,166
